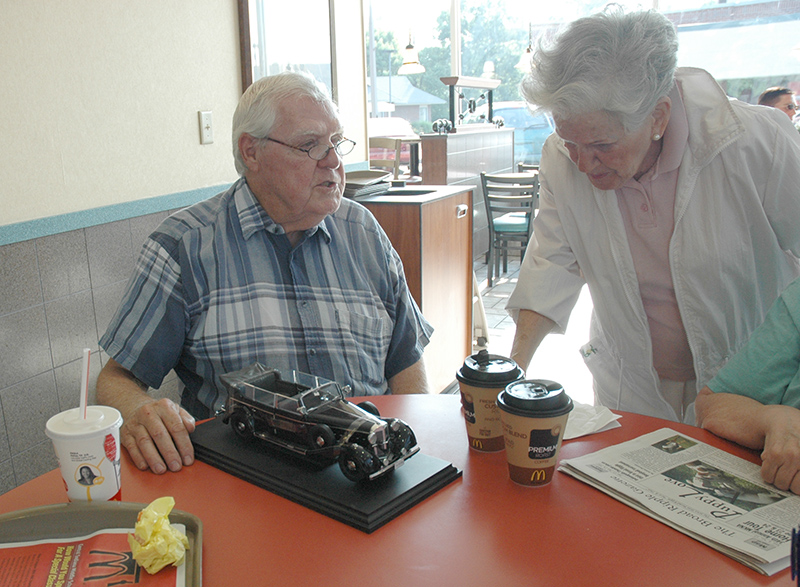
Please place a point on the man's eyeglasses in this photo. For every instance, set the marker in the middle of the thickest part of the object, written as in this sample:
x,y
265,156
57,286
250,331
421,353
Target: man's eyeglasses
x,y
319,152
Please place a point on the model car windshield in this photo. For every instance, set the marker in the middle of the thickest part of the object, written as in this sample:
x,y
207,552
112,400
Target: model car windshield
x,y
315,398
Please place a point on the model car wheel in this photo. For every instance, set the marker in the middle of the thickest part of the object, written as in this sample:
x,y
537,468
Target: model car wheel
x,y
356,463
370,407
242,424
402,437
321,436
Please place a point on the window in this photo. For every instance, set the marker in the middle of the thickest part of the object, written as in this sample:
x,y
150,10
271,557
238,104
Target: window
x,y
272,42
747,45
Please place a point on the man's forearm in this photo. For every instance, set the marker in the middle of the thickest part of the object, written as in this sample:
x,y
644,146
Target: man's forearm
x,y
413,379
118,388
773,429
734,417
532,327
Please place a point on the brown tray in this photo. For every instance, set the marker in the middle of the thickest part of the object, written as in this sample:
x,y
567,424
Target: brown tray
x,y
366,177
69,520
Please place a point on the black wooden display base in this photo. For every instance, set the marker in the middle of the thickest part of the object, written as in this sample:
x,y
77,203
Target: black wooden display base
x,y
366,506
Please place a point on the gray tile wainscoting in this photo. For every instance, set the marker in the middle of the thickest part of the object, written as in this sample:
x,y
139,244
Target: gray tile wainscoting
x,y
57,295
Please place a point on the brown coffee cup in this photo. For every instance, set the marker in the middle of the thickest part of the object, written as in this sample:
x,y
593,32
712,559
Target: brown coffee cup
x,y
480,379
534,415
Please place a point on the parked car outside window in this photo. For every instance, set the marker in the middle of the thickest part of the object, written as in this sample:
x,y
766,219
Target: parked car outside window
x,y
530,131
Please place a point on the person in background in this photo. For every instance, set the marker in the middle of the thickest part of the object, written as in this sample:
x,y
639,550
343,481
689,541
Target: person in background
x,y
278,269
754,400
780,98
675,204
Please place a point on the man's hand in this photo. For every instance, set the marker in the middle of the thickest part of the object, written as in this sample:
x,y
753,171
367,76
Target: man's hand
x,y
155,432
773,428
157,436
781,456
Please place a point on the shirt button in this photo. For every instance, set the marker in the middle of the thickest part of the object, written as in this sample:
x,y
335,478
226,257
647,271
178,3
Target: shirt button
x,y
645,207
312,352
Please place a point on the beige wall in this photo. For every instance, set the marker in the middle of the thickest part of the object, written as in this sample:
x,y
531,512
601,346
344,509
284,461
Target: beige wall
x,y
100,99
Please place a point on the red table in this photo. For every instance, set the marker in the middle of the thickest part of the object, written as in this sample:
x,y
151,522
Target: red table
x,y
480,530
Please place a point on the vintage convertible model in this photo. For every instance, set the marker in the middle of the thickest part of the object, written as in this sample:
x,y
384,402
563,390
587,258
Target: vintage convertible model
x,y
310,417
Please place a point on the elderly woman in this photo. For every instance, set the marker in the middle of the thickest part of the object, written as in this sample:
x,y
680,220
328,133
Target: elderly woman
x,y
677,205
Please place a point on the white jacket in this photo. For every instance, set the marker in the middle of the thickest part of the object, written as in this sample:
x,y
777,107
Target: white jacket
x,y
734,248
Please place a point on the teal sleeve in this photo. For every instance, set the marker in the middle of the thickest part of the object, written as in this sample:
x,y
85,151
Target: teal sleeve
x,y
766,369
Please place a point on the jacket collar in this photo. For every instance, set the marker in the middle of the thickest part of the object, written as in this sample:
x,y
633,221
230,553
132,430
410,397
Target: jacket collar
x,y
713,124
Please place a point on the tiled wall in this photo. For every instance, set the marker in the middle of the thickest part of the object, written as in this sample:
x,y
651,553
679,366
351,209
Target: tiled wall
x,y
57,295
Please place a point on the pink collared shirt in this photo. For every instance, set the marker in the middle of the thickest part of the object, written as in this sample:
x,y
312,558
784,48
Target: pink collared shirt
x,y
647,208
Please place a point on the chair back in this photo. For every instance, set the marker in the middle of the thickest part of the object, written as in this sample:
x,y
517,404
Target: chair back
x,y
526,167
514,194
388,154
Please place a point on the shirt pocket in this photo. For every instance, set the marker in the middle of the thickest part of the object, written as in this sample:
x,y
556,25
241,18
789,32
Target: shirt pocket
x,y
606,372
365,344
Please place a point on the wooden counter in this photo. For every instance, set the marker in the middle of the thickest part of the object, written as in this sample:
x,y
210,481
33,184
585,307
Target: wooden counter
x,y
432,233
458,159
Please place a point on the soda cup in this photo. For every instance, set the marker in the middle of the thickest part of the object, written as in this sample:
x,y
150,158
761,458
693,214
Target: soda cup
x,y
88,452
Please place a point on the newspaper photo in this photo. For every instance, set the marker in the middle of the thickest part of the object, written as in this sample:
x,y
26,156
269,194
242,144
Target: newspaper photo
x,y
714,497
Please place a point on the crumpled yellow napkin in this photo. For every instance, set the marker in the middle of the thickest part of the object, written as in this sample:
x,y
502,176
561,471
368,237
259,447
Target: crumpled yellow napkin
x,y
154,542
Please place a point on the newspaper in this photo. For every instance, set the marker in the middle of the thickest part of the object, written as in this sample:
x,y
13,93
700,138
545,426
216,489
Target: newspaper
x,y
704,492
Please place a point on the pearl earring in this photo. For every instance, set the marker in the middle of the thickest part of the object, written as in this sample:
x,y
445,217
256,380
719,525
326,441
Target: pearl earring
x,y
656,137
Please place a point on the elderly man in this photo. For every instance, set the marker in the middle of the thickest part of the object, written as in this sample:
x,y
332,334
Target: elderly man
x,y
754,399
277,269
780,98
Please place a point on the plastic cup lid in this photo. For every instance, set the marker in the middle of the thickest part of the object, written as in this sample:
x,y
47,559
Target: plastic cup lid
x,y
69,424
485,370
535,397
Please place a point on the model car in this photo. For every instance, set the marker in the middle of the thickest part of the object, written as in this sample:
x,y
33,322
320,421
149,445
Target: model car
x,y
309,416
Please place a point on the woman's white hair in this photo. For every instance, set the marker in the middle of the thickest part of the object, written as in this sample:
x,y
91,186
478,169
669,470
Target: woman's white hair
x,y
260,104
611,61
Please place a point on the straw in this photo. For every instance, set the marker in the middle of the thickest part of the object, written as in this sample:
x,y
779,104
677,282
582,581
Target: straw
x,y
87,353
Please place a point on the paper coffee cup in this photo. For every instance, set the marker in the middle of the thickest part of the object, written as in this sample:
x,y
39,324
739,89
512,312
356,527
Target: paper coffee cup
x,y
480,379
88,452
534,415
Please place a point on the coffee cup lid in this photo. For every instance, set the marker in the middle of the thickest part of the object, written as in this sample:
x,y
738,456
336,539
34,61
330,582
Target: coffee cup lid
x,y
485,370
535,397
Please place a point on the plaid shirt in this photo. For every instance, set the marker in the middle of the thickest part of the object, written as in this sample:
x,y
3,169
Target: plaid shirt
x,y
218,286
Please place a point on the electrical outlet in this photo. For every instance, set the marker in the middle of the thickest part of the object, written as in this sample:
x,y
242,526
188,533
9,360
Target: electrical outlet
x,y
206,127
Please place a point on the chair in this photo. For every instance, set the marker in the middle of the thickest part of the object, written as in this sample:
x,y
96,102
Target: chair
x,y
389,158
525,167
511,201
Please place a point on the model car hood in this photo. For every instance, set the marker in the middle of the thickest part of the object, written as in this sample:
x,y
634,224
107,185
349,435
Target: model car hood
x,y
343,415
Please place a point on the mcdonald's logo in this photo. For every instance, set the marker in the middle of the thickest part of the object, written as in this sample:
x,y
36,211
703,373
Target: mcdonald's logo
x,y
538,476
477,443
